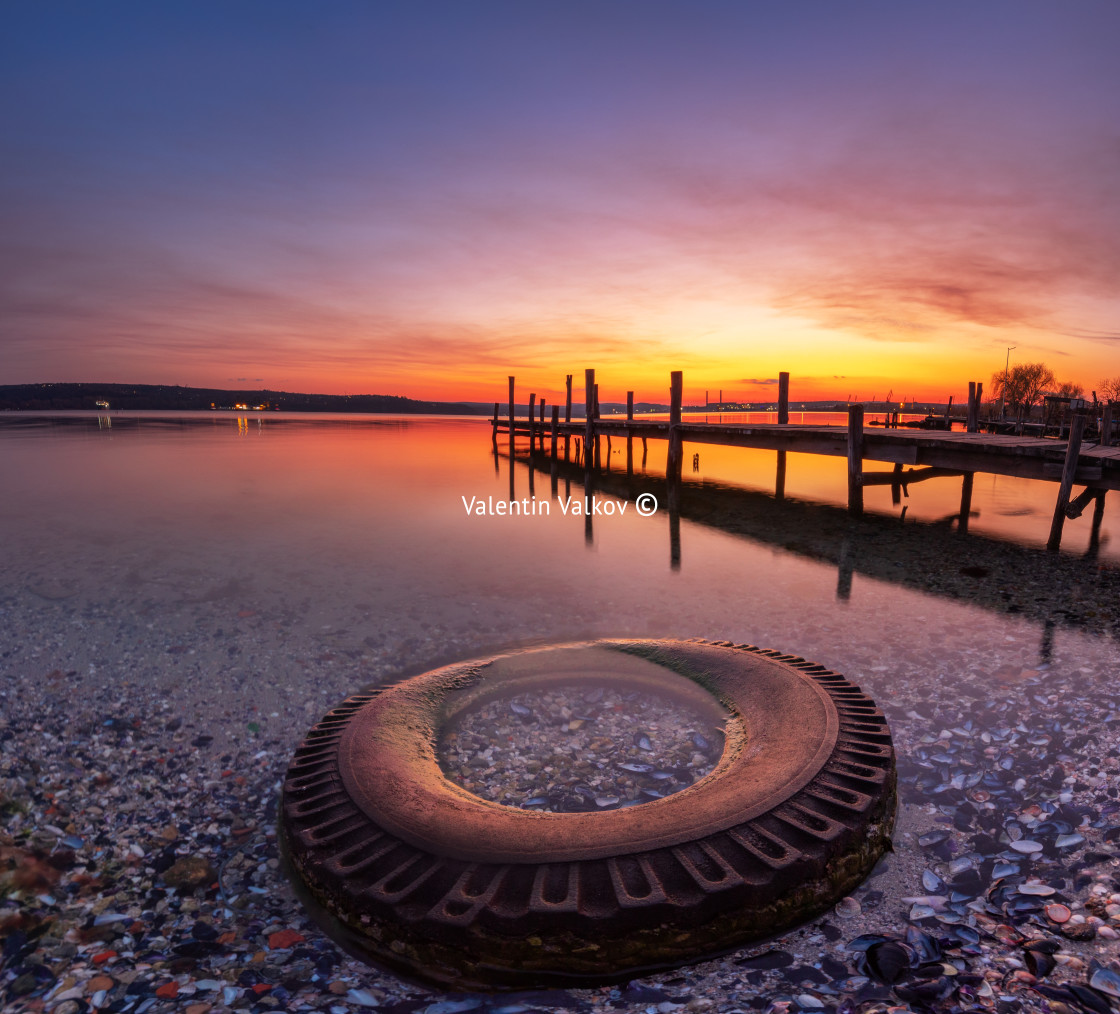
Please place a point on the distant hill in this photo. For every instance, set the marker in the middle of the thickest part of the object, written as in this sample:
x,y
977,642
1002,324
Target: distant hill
x,y
91,397
52,397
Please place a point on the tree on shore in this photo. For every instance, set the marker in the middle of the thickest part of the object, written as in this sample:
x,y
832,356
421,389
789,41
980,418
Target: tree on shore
x,y
1109,389
1068,389
1022,385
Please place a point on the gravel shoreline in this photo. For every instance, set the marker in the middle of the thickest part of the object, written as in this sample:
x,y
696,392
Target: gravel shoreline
x,y
139,772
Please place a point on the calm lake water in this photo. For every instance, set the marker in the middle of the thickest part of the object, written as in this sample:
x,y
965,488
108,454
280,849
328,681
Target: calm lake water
x,y
190,595
349,520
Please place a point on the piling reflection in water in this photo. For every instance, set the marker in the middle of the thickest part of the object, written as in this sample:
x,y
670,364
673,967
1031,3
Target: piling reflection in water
x,y
941,556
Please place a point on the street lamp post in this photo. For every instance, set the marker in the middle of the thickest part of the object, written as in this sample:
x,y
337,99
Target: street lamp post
x,y
1003,386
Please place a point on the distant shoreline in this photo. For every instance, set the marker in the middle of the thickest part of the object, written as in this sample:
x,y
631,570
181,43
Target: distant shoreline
x,y
168,398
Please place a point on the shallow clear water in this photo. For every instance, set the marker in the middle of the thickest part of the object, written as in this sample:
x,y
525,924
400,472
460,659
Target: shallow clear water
x,y
363,524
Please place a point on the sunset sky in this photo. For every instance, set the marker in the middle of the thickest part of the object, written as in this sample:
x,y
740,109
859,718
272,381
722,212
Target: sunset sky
x,y
421,198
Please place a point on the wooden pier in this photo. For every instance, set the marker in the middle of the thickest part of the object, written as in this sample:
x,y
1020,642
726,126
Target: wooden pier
x,y
916,455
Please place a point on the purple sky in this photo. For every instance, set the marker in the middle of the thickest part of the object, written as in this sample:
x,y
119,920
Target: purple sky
x,y
420,198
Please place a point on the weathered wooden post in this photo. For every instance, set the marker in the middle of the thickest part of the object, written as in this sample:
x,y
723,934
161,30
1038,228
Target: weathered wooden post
x,y
567,414
532,415
855,459
540,430
555,434
780,479
783,398
589,410
1069,470
966,502
1095,531
973,413
494,426
629,433
896,484
1106,425
676,444
598,459
511,410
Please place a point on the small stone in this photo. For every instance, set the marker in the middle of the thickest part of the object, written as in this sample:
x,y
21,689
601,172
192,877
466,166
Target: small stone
x,y
99,982
189,873
169,990
284,939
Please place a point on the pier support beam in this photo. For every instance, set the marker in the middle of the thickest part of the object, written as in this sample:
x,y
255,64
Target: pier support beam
x,y
598,436
973,408
494,427
589,422
783,398
567,414
966,502
532,416
555,435
1073,449
855,459
629,434
511,411
676,444
1095,532
1106,425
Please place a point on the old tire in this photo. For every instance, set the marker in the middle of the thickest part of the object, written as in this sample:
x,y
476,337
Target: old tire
x,y
406,869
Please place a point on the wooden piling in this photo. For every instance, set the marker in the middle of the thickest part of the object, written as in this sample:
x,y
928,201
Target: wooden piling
x,y
567,414
555,435
629,435
676,444
783,398
1095,530
511,410
598,439
973,408
966,502
1073,449
532,414
494,426
780,478
855,459
1106,425
589,409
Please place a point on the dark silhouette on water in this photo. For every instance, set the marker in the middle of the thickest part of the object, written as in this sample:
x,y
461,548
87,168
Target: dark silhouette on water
x,y
939,557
